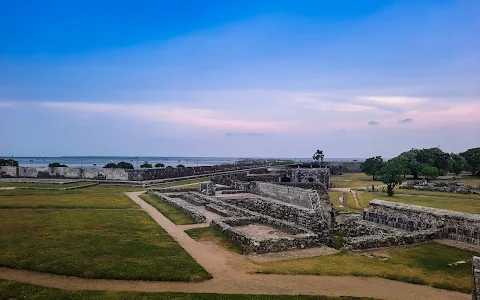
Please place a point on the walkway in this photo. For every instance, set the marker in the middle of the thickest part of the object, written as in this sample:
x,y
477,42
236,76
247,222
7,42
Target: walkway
x,y
231,275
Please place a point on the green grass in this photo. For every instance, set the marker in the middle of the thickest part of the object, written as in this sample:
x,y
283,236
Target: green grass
x,y
423,264
113,244
209,234
18,290
177,183
353,180
42,185
174,214
334,198
471,180
91,197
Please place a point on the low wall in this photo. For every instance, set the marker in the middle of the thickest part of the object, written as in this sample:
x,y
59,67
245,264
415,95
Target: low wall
x,y
304,217
292,195
453,225
476,278
250,244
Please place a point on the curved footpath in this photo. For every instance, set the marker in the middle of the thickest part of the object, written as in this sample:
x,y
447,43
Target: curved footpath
x,y
231,275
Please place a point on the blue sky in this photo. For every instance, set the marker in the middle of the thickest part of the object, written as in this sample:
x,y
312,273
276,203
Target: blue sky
x,y
238,78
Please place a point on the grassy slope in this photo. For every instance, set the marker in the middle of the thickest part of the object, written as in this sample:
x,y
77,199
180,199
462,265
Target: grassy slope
x,y
118,244
171,212
422,264
17,290
91,197
177,183
42,185
211,235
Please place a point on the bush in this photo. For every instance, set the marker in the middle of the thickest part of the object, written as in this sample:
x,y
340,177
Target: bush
x,y
56,165
180,166
8,162
159,165
120,165
146,165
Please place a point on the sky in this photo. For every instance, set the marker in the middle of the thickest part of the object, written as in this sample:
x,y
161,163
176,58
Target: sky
x,y
238,78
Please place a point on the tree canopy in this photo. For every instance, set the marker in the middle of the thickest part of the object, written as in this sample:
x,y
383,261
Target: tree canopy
x,y
120,165
472,157
372,166
146,165
159,165
391,174
318,155
8,162
56,165
180,166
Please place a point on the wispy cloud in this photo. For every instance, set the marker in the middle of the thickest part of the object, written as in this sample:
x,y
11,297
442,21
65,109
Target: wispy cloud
x,y
405,121
373,123
247,134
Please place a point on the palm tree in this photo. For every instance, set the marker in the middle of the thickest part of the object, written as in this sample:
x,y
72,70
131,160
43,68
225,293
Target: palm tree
x,y
318,155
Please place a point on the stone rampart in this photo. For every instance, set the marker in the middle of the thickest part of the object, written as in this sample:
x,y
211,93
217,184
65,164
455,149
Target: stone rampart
x,y
453,225
476,278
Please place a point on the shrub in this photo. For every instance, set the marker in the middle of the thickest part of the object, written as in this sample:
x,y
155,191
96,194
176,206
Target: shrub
x,y
8,162
120,165
146,165
180,166
159,165
56,165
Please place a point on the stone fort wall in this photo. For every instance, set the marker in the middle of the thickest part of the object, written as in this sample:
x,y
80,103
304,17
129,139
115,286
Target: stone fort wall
x,y
476,278
458,226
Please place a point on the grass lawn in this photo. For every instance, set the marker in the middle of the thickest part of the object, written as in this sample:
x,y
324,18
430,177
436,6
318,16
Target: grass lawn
x,y
114,244
334,198
212,235
353,180
468,203
171,212
423,264
91,197
471,180
42,185
190,182
18,290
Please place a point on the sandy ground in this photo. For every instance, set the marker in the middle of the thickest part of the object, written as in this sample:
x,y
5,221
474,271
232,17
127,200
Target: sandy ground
x,y
232,274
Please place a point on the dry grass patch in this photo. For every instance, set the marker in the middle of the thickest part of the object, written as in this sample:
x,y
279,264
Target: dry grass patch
x,y
423,264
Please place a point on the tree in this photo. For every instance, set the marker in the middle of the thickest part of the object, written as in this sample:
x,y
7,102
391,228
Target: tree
x,y
56,165
318,155
159,165
180,166
124,165
472,157
372,166
458,163
430,172
110,165
146,165
391,174
120,165
8,162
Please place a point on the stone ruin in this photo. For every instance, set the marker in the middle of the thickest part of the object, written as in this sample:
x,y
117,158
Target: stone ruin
x,y
387,224
261,217
448,187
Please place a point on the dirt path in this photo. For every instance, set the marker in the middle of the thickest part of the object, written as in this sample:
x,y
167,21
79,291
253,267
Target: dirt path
x,y
231,275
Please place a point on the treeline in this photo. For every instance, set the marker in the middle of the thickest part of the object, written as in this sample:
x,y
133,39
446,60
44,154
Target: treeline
x,y
429,163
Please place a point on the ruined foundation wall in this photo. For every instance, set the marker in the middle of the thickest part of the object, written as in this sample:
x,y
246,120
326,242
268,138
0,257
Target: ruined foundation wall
x,y
306,218
453,225
476,278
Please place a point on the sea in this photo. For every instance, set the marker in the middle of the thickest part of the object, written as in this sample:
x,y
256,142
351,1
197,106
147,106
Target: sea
x,y
136,161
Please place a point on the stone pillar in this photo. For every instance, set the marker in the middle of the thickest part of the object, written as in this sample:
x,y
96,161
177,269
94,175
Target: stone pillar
x,y
476,278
